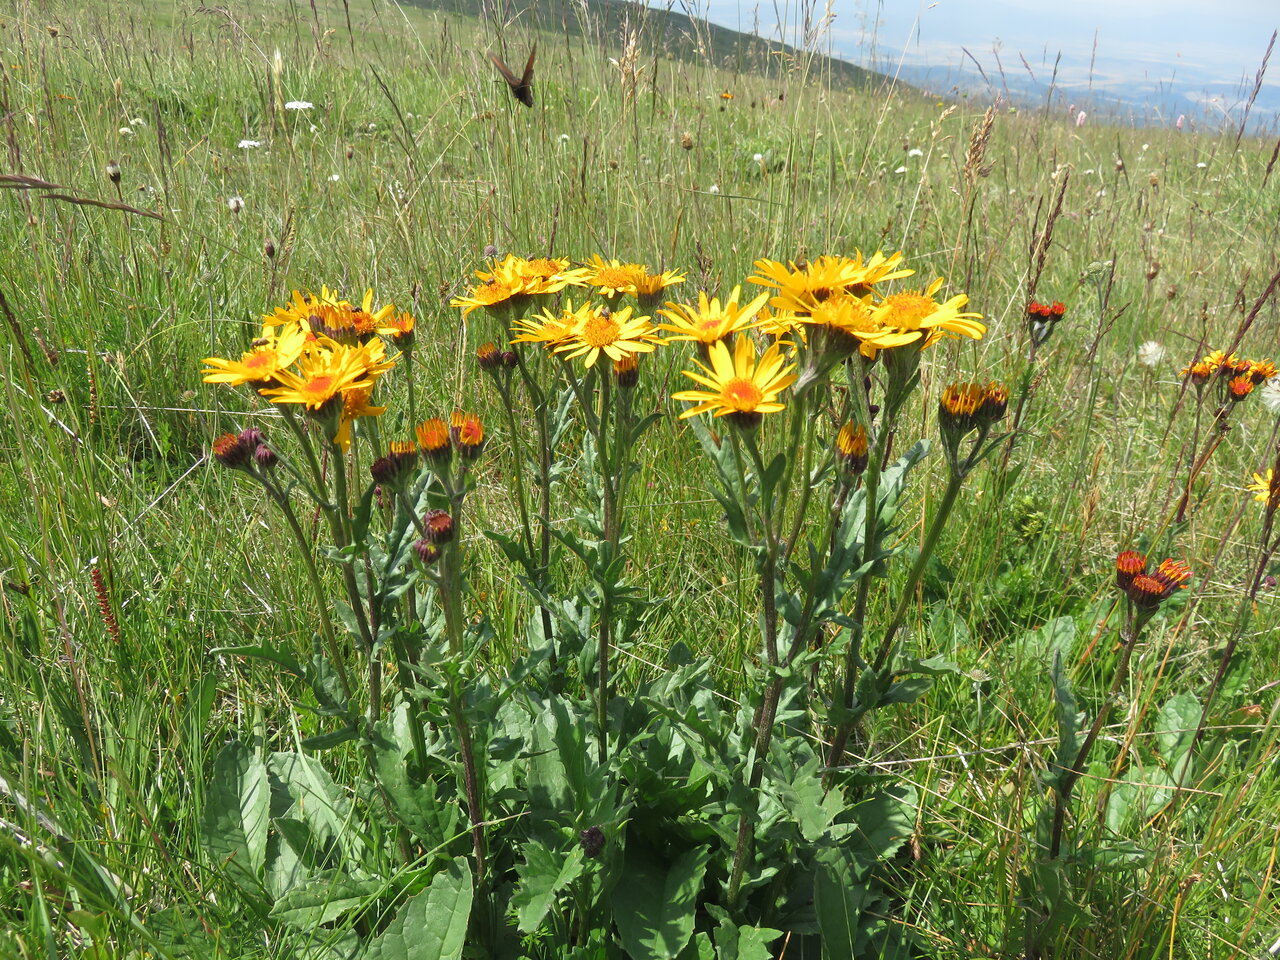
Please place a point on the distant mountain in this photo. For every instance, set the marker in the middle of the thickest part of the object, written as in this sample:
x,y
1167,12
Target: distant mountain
x,y
607,22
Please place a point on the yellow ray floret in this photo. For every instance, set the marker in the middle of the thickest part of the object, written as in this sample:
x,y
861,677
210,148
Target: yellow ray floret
x,y
616,334
738,384
710,320
271,353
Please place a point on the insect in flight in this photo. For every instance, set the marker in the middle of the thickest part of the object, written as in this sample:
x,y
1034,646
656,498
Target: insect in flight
x,y
521,87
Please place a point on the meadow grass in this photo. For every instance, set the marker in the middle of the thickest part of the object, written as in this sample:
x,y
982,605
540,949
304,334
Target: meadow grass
x,y
410,162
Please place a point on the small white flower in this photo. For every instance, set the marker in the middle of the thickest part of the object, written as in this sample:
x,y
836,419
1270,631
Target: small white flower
x,y
714,188
299,105
757,157
1150,354
126,132
249,144
137,122
314,128
372,127
1270,394
901,170
1089,171
1146,147
235,204
563,138
334,178
1201,165
408,115
915,152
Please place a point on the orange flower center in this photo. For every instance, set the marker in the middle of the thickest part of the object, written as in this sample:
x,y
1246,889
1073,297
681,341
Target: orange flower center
x,y
600,331
263,360
319,386
742,395
908,309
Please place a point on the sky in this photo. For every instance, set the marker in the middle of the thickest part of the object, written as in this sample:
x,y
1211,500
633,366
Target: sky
x,y
1171,55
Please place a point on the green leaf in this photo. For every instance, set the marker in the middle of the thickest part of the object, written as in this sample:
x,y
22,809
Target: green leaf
x,y
1176,726
1069,721
233,825
433,925
882,824
654,908
735,942
839,897
543,874
325,899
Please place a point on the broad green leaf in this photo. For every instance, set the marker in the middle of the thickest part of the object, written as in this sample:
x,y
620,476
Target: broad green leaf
x,y
433,925
324,899
1069,721
654,908
882,823
734,942
543,874
1176,725
236,813
839,897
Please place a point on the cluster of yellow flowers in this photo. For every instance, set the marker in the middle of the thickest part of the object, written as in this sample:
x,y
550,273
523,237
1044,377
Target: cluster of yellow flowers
x,y
320,352
835,296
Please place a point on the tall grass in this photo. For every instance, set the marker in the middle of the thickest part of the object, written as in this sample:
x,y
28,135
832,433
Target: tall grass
x,y
125,557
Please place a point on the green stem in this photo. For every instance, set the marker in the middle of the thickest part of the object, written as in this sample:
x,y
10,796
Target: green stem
x,y
954,481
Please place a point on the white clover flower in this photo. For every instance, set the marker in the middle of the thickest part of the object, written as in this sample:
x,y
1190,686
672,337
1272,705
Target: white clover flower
x,y
714,188
137,122
1201,165
1270,394
757,157
249,144
125,132
900,170
915,152
1151,353
235,204
334,177
1146,147
299,105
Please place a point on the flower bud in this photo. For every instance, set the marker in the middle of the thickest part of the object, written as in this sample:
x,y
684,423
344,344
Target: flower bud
x,y
433,440
851,447
426,551
113,172
467,433
437,527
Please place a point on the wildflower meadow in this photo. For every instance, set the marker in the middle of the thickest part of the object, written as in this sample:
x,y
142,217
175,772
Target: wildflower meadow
x,y
653,506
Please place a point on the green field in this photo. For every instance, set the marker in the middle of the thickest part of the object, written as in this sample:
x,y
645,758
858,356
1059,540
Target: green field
x,y
131,561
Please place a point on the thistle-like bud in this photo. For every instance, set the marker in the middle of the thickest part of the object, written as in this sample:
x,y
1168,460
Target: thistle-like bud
x,y
626,372
488,356
1149,590
426,551
265,457
592,840
510,359
437,527
995,401
113,172
433,440
396,466
230,452
1129,565
851,447
467,433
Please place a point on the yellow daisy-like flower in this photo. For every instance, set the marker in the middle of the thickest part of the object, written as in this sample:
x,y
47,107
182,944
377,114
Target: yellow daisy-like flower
x,y
550,329
1266,489
913,310
611,278
491,293
783,326
271,354
355,404
302,306
616,334
854,321
540,275
399,326
801,288
740,387
652,284
710,320
323,373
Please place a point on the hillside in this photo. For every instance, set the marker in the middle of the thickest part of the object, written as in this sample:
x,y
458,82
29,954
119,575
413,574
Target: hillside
x,y
673,34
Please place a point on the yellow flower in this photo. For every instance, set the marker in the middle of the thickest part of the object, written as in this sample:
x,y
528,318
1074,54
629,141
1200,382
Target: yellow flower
x,y
540,275
270,355
324,372
355,404
652,284
490,293
739,386
710,321
1266,489
616,334
613,278
801,288
550,328
398,326
913,310
853,321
